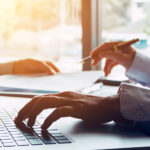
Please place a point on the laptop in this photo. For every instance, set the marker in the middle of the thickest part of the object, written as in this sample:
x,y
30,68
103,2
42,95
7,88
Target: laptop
x,y
66,133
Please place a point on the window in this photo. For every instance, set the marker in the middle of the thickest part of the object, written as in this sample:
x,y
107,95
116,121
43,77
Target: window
x,y
44,29
127,19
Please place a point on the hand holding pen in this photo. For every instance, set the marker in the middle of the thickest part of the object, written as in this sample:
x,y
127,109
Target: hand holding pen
x,y
115,53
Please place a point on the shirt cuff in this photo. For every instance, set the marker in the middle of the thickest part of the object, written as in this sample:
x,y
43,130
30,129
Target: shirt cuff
x,y
6,68
134,102
139,70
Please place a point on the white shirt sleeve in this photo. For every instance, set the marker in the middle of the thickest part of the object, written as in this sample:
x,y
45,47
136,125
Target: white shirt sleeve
x,y
6,68
139,70
135,102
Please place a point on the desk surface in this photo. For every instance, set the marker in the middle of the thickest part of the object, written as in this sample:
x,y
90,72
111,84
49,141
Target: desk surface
x,y
29,86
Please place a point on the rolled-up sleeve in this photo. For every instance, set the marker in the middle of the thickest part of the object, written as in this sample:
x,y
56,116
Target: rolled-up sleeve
x,y
6,68
135,102
139,70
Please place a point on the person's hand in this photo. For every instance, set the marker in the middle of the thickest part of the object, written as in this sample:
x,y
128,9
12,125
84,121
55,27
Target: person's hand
x,y
33,66
123,56
92,109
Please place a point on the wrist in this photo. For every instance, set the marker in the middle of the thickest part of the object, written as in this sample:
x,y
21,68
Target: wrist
x,y
118,117
115,106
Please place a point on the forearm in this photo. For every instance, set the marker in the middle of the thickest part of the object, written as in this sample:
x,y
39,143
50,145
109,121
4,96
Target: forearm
x,y
6,68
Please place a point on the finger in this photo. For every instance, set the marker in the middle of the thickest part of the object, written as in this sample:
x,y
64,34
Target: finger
x,y
116,56
58,113
108,64
108,61
99,57
25,110
47,102
109,54
47,69
53,66
106,54
96,61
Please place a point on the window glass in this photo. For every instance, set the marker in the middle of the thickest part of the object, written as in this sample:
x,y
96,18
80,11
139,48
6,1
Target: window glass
x,y
44,29
125,20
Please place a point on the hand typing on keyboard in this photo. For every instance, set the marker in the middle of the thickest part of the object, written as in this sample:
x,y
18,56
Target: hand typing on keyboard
x,y
92,109
11,136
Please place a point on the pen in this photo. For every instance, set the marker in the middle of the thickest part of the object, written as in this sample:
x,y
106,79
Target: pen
x,y
115,48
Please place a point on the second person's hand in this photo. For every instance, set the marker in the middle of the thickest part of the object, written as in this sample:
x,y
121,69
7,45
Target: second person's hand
x,y
33,66
123,56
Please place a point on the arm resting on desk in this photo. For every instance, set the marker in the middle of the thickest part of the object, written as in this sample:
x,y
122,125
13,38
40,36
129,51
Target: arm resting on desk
x,y
28,66
6,68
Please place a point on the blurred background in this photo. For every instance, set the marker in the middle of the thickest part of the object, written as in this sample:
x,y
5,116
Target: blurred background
x,y
54,29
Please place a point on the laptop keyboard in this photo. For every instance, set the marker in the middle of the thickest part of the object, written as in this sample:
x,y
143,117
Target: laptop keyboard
x,y
11,136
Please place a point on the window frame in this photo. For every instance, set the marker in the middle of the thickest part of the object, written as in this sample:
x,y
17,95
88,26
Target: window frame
x,y
91,28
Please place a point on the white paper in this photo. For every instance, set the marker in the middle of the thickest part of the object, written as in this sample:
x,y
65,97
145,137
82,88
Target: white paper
x,y
59,82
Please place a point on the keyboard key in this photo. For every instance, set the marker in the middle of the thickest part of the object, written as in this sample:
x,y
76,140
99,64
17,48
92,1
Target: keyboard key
x,y
0,144
31,137
37,130
56,134
5,138
63,141
2,128
3,132
7,121
10,125
4,135
35,142
15,133
22,143
9,144
19,138
39,134
60,138
13,129
7,141
46,138
11,136
28,134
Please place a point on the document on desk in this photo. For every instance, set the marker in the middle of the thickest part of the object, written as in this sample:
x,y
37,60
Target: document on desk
x,y
60,82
